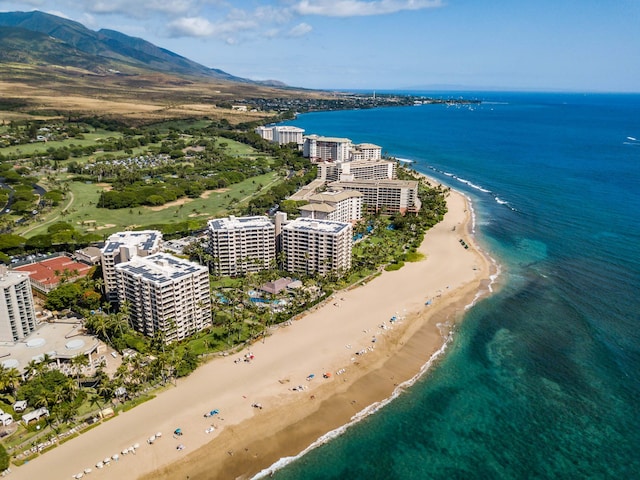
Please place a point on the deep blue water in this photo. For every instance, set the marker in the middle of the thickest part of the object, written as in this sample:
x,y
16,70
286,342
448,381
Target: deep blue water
x,y
543,378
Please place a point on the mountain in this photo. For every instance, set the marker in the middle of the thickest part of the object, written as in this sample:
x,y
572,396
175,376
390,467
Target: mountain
x,y
40,38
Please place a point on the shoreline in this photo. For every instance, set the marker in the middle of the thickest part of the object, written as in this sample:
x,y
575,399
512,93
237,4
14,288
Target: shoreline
x,y
330,339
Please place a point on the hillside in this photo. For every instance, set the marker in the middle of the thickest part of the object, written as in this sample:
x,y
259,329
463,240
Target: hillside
x,y
104,48
53,66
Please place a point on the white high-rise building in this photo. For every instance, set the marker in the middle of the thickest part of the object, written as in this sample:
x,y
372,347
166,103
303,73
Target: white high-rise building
x,y
239,245
338,206
327,149
165,295
317,246
265,132
366,151
388,196
285,134
281,134
122,247
17,313
357,170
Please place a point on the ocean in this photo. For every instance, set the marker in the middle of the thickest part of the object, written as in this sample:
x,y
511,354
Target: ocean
x,y
542,379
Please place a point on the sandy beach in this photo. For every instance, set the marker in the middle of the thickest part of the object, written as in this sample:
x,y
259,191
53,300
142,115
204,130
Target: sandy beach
x,y
351,337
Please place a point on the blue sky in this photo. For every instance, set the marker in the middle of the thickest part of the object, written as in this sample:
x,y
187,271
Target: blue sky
x,y
576,45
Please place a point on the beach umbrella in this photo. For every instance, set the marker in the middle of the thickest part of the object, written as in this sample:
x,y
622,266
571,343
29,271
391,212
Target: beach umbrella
x,y
99,465
125,451
107,460
159,434
78,475
151,439
116,457
87,470
136,445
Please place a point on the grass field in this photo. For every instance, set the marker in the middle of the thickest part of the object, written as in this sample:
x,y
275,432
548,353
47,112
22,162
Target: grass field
x,y
89,139
82,213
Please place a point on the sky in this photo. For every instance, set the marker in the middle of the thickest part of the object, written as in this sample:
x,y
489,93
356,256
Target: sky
x,y
545,45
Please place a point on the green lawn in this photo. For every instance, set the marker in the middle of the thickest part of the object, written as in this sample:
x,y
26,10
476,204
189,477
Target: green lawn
x,y
89,139
86,217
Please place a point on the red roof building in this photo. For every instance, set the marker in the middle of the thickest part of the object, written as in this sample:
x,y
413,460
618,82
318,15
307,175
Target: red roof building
x,y
47,274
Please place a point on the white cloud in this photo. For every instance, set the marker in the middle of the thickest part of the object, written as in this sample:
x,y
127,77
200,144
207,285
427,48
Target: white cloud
x,y
191,27
353,8
300,30
202,27
271,33
139,8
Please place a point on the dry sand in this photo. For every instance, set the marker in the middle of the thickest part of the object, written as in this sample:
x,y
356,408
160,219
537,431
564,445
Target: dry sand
x,y
247,439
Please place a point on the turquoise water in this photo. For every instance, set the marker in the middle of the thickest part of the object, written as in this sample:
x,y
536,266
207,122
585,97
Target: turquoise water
x,y
543,378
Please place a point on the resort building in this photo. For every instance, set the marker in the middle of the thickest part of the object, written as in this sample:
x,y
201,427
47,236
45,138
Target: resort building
x,y
366,151
338,206
265,133
326,149
17,313
122,247
317,246
46,275
387,196
166,295
357,170
282,134
239,245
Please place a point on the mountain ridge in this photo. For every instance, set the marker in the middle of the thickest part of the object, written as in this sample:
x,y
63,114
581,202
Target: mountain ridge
x,y
96,51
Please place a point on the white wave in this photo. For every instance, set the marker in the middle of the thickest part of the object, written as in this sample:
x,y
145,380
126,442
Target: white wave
x,y
404,160
501,202
633,139
362,414
473,185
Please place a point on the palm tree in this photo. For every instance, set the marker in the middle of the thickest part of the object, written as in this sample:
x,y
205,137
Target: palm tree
x,y
9,379
78,362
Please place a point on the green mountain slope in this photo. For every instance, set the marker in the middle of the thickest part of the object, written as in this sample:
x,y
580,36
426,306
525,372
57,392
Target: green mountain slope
x,y
40,38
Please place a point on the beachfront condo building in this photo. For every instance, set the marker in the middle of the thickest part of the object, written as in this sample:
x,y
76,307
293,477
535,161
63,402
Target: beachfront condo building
x,y
166,295
366,151
17,312
326,149
282,134
337,206
122,247
386,196
240,245
317,246
265,133
357,170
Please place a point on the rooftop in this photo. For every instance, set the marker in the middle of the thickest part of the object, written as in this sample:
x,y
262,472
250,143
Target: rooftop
x,y
384,183
334,196
234,223
63,340
51,271
319,138
143,239
289,128
10,277
308,224
318,207
160,268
